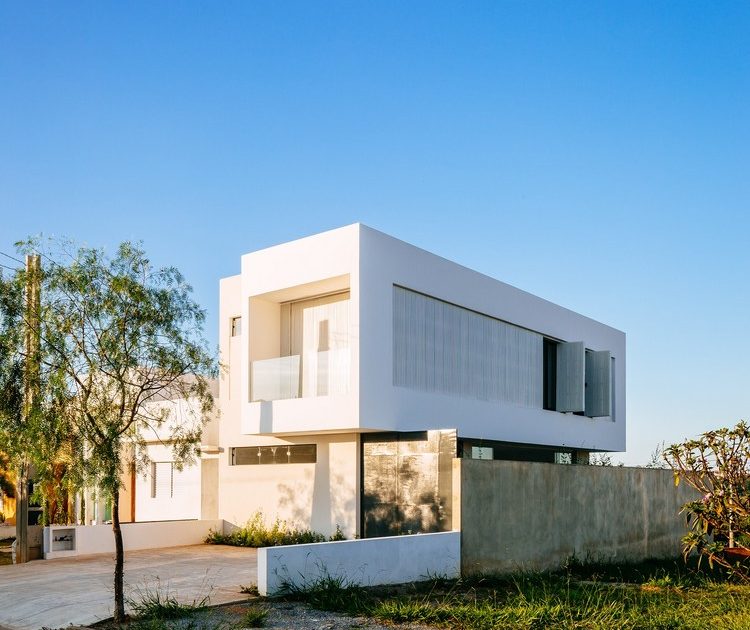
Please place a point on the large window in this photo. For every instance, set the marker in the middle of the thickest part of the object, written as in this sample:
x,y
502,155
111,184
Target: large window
x,y
281,454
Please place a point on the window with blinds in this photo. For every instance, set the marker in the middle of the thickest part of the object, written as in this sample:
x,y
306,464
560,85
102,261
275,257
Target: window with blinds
x,y
162,480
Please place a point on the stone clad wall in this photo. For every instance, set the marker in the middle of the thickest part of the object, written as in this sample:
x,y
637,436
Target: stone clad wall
x,y
522,515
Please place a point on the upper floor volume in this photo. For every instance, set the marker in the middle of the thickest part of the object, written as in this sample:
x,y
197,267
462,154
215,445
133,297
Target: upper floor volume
x,y
352,330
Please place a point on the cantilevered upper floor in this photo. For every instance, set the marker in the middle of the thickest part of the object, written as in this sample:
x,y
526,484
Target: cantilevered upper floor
x,y
353,330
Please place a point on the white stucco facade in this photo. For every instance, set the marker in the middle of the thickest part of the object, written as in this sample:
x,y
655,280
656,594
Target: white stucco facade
x,y
352,332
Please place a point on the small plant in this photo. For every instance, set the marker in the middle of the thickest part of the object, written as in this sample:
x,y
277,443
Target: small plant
x,y
255,533
254,617
250,589
338,534
159,604
328,592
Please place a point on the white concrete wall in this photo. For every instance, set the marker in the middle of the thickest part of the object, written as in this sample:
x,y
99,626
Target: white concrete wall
x,y
385,261
317,496
370,562
185,502
91,539
304,268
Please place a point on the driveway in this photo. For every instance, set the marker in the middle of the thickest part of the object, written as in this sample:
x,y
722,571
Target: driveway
x,y
57,593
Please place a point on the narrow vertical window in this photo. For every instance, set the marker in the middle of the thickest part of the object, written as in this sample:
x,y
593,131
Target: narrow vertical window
x,y
550,374
236,326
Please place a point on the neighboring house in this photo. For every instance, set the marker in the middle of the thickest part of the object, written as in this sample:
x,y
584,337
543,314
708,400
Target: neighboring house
x,y
161,490
357,366
164,490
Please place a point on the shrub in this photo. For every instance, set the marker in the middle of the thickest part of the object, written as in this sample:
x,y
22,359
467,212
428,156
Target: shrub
x,y
717,465
255,533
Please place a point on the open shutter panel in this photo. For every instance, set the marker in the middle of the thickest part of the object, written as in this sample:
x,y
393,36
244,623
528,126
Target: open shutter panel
x,y
598,384
571,376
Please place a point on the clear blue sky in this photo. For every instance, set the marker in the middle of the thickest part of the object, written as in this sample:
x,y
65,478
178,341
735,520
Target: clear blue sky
x,y
596,154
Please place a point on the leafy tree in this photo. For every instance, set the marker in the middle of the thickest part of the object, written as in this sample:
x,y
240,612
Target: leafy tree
x,y
33,434
717,465
12,439
119,340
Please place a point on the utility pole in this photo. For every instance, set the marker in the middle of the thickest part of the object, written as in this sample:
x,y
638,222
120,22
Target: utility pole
x,y
31,398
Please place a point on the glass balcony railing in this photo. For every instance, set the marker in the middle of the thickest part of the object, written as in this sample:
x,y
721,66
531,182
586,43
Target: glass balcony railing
x,y
313,374
275,379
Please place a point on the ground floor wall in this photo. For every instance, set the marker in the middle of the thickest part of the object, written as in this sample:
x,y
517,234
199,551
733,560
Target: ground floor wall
x,y
522,515
318,495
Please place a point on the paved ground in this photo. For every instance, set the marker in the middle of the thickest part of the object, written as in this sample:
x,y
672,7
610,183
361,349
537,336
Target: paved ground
x,y
57,593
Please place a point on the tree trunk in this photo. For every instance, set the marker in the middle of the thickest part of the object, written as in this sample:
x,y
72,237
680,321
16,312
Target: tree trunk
x,y
119,615
22,513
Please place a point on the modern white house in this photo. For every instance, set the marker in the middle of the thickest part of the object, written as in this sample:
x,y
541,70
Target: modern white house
x,y
356,367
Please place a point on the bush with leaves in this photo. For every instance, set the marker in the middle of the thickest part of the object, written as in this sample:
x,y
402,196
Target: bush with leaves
x,y
255,533
717,465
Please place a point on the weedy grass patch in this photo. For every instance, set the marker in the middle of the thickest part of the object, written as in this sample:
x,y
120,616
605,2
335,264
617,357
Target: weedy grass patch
x,y
656,595
158,603
254,617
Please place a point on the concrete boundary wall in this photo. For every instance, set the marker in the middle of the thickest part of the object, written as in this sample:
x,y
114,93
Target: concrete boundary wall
x,y
367,562
61,541
532,516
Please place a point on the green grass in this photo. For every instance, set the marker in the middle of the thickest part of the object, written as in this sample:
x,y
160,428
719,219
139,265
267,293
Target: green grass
x,y
158,604
254,617
657,595
255,533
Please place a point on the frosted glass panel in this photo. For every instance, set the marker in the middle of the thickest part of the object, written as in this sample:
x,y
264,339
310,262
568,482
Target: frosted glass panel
x,y
275,379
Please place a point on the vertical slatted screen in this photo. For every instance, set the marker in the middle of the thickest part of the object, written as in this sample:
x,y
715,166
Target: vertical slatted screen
x,y
443,348
598,383
571,375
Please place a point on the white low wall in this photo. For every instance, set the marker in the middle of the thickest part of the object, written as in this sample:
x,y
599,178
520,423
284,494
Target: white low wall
x,y
79,540
367,562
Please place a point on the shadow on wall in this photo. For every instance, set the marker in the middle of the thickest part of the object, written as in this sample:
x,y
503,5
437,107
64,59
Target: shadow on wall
x,y
331,504
294,500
